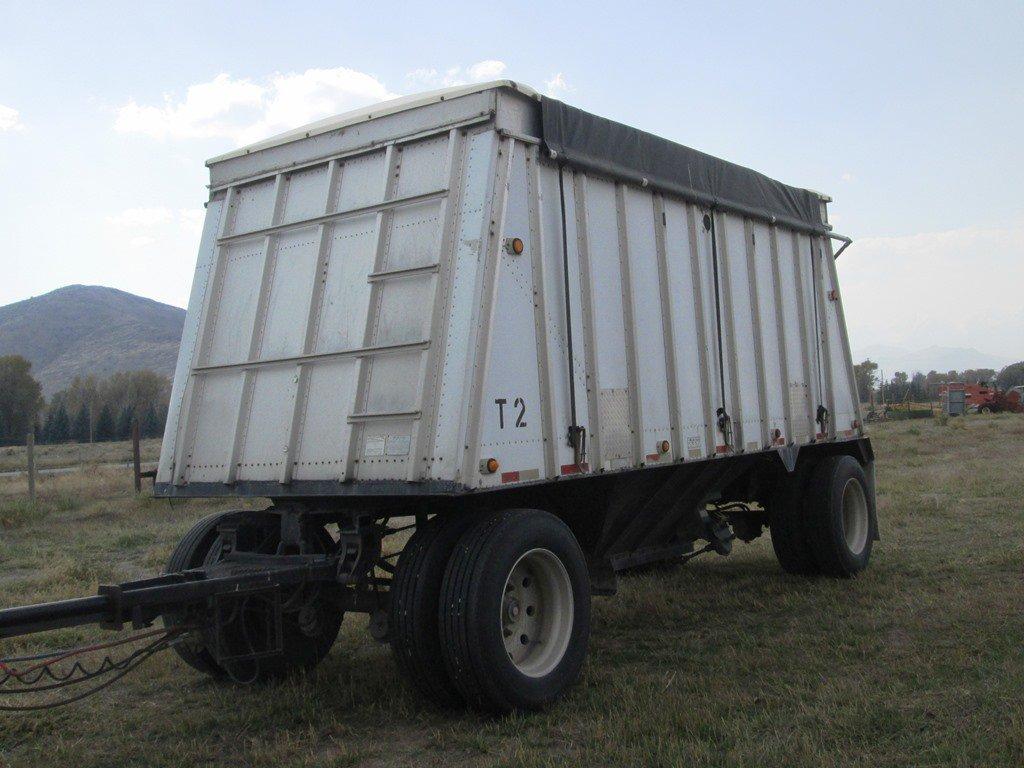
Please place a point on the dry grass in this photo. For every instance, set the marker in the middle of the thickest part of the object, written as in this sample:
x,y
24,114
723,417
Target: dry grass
x,y
724,662
12,458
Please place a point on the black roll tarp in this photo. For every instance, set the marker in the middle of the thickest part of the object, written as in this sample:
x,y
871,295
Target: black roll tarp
x,y
604,146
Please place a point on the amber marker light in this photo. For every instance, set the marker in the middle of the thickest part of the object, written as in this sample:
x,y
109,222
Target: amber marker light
x,y
663,446
489,467
515,246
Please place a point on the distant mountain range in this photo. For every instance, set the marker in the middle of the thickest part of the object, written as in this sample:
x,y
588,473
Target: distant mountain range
x,y
89,329
934,358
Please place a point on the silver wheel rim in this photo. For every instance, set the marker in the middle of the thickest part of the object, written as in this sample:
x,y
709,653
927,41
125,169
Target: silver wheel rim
x,y
537,612
855,516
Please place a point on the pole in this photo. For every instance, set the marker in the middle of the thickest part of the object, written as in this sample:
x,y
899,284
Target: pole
x,y
135,455
30,449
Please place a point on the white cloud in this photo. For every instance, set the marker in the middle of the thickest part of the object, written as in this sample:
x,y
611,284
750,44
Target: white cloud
x,y
489,69
140,218
144,226
9,119
192,220
847,176
957,288
244,111
557,85
212,109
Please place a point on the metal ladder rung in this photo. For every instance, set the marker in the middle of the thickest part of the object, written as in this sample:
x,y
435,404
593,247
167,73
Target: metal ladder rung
x,y
427,269
362,418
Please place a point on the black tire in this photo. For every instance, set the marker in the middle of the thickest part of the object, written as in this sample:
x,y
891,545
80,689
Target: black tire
x,y
473,602
415,600
302,648
985,409
192,552
788,530
839,509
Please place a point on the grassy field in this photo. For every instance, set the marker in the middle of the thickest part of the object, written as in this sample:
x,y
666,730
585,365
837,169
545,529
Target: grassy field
x,y
12,458
726,661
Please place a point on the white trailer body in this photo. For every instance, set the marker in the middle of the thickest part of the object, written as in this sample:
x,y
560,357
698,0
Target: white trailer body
x,y
361,322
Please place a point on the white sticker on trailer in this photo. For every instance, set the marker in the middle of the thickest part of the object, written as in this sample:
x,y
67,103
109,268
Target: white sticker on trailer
x,y
374,445
397,445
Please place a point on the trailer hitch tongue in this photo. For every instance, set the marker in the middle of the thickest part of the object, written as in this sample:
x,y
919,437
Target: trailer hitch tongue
x,y
142,602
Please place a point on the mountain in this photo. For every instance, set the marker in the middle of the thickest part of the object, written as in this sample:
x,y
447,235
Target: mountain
x,y
933,358
89,329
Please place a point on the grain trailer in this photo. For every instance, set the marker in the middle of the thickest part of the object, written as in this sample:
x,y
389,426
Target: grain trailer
x,y
554,346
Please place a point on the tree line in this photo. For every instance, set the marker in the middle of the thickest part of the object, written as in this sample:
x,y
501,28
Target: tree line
x,y
924,387
90,409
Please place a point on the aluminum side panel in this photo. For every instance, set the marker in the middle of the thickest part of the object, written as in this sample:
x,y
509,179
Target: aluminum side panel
x,y
693,355
776,390
201,285
649,337
742,347
511,421
795,330
467,261
846,406
555,309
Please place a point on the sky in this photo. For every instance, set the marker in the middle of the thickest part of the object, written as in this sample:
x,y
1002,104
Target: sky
x,y
908,114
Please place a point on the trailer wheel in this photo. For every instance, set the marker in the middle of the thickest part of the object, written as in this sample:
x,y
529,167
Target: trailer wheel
x,y
985,409
788,530
839,507
515,611
192,552
307,633
415,599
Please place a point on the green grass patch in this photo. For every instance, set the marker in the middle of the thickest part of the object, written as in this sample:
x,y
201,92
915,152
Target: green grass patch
x,y
723,662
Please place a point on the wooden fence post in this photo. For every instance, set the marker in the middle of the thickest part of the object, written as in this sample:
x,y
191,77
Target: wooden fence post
x,y
136,457
30,449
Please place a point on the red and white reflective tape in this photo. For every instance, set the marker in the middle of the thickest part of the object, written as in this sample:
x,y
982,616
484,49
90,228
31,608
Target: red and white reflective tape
x,y
575,469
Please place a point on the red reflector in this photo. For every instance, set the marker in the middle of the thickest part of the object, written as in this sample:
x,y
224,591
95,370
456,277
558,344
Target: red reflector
x,y
721,449
573,469
510,477
653,456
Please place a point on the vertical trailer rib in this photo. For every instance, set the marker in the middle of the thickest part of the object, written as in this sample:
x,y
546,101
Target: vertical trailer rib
x,y
493,227
629,325
316,297
844,336
256,333
755,316
780,330
697,282
726,307
426,427
826,383
805,337
589,333
194,387
668,335
574,423
538,256
364,366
